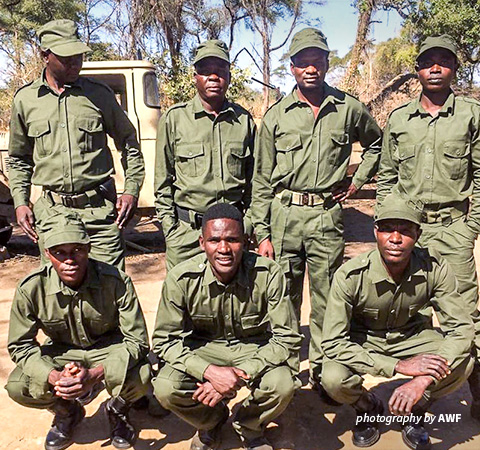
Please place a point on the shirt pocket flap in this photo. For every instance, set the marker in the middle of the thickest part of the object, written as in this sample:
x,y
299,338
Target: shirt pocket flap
x,y
406,152
456,149
189,150
238,149
39,128
371,313
203,321
251,321
90,124
289,143
55,325
340,137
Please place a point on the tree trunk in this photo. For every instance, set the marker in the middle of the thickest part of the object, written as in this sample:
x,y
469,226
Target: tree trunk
x,y
350,81
266,71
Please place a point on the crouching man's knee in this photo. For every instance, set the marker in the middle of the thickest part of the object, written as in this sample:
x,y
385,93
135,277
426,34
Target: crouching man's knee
x,y
279,383
340,382
18,390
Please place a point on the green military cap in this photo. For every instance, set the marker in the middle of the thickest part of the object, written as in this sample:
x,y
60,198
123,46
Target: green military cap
x,y
306,38
215,48
65,229
398,207
61,38
444,41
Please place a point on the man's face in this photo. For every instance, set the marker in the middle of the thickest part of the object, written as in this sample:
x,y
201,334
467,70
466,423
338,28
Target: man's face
x,y
64,69
436,69
223,241
212,77
396,239
309,67
70,262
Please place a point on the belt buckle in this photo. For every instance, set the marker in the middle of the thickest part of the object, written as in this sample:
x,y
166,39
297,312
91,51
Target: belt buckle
x,y
67,201
305,199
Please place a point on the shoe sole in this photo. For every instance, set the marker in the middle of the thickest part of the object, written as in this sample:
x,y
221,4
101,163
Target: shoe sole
x,y
122,446
410,444
59,447
368,443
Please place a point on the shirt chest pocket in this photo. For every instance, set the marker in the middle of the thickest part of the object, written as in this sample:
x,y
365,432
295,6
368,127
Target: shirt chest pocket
x,y
370,316
340,151
456,159
56,329
190,159
237,156
406,161
40,132
91,135
286,147
253,324
204,325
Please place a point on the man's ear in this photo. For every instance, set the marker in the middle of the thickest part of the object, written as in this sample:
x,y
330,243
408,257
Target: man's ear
x,y
202,243
375,231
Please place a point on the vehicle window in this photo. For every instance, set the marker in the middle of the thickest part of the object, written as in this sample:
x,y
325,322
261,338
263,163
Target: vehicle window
x,y
150,90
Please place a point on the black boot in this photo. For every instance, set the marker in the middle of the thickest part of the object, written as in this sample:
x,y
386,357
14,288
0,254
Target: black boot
x,y
415,435
122,432
67,416
366,432
209,439
322,393
474,382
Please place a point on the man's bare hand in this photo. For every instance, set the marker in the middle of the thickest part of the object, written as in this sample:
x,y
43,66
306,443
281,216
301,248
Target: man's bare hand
x,y
265,248
407,395
77,381
207,394
225,380
126,206
344,190
26,220
424,364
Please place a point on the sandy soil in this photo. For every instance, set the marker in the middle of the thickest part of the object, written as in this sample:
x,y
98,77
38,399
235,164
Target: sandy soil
x,y
308,424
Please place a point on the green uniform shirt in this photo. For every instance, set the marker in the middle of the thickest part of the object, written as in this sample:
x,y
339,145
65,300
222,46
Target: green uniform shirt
x,y
59,141
435,160
196,308
202,159
365,303
298,152
105,307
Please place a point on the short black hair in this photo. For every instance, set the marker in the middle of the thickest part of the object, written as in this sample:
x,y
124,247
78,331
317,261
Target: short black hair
x,y
222,211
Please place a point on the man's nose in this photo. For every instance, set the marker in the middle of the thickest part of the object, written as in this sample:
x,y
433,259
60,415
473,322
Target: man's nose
x,y
396,236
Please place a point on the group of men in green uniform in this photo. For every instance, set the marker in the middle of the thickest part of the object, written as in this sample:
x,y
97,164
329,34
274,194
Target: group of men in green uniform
x,y
227,317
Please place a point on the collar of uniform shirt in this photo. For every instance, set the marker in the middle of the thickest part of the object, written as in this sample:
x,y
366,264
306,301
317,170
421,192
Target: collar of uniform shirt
x,y
241,277
56,285
448,108
42,83
378,273
199,110
331,96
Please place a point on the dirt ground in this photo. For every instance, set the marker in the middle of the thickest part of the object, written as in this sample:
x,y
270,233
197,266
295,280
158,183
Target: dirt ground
x,y
308,424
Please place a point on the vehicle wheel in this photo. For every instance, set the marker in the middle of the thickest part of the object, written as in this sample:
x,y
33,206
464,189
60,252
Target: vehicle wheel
x,y
5,231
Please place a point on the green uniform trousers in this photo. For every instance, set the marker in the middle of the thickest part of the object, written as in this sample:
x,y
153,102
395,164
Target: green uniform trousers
x,y
128,383
270,393
309,235
99,219
455,243
345,385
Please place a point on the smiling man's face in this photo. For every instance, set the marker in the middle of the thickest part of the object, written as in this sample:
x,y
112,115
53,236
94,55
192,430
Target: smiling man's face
x,y
436,69
223,241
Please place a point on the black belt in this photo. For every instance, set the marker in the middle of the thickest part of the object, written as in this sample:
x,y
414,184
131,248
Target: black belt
x,y
195,218
79,200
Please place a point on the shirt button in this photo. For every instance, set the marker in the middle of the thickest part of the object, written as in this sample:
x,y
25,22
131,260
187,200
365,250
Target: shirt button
x,y
428,177
190,153
458,152
227,317
65,149
200,266
62,124
429,150
402,155
314,160
65,175
392,311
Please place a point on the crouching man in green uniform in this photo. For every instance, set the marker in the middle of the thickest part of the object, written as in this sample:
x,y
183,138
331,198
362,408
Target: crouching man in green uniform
x,y
373,325
225,321
96,333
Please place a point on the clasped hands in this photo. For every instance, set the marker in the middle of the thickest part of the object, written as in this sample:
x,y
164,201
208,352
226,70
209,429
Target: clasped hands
x,y
222,382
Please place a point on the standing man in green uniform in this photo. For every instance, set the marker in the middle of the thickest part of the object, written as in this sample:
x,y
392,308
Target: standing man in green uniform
x,y
225,321
375,325
204,155
58,140
431,152
301,160
96,332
